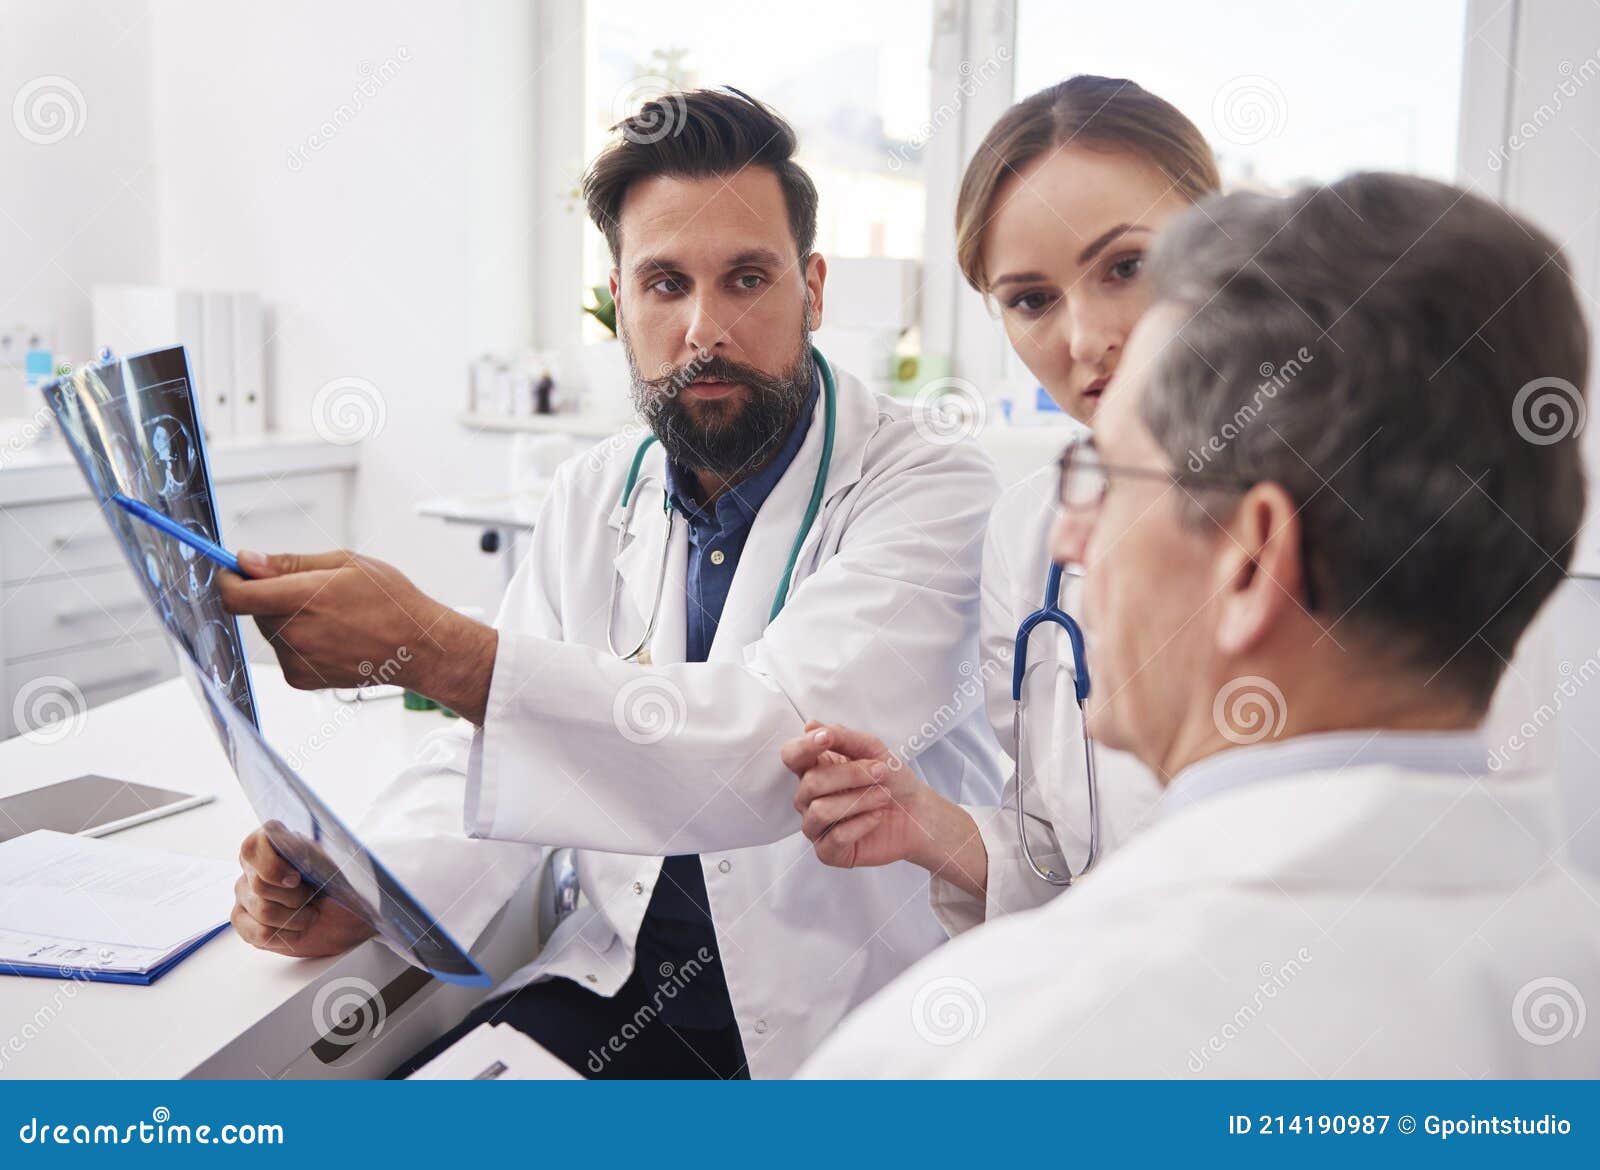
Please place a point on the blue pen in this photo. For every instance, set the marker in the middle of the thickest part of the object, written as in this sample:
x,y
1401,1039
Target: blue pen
x,y
208,549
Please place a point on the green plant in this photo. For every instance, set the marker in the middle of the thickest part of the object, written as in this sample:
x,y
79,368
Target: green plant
x,y
604,308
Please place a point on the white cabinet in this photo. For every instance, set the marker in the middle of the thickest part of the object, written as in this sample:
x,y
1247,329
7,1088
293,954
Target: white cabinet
x,y
72,616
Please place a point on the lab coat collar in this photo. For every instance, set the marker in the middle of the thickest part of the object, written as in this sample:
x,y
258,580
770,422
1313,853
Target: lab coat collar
x,y
1322,830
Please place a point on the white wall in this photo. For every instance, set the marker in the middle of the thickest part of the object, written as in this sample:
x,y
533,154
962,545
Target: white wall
x,y
388,249
1529,137
80,209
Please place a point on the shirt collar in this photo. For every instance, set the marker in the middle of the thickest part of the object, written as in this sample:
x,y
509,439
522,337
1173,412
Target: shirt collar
x,y
1462,752
745,497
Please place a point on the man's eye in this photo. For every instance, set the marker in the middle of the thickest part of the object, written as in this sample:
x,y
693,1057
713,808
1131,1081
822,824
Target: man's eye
x,y
666,284
750,280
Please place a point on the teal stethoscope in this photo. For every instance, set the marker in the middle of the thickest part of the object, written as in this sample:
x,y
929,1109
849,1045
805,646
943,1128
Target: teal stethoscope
x,y
1052,614
630,499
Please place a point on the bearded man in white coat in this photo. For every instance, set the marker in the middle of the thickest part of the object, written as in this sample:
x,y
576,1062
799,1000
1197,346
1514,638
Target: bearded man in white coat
x,y
791,545
1298,603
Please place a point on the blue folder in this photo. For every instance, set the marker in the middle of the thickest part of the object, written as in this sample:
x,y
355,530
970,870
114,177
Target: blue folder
x,y
91,975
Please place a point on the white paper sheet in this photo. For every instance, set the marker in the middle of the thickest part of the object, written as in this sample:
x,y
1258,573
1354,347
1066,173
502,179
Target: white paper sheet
x,y
71,901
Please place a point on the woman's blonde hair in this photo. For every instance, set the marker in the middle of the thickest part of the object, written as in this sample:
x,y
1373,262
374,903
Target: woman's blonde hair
x,y
1102,113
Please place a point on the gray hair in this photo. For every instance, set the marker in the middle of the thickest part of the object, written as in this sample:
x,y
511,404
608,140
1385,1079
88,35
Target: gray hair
x,y
1408,361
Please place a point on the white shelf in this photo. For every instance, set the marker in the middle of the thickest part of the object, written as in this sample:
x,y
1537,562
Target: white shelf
x,y
47,471
581,425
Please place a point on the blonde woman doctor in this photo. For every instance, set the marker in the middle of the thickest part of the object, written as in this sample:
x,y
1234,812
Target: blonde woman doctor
x,y
1056,212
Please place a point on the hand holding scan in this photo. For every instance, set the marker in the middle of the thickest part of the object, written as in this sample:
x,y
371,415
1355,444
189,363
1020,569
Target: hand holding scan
x,y
336,619
275,910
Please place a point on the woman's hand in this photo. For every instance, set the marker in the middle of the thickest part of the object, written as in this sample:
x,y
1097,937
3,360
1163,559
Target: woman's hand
x,y
861,805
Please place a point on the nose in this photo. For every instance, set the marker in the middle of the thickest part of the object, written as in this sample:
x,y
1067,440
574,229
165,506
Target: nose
x,y
1092,334
1069,535
705,335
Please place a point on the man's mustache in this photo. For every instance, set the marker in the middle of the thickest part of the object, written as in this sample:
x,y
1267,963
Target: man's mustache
x,y
674,379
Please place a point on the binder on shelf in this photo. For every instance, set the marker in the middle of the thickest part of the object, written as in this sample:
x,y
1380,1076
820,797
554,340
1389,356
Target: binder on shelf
x,y
222,331
214,380
249,368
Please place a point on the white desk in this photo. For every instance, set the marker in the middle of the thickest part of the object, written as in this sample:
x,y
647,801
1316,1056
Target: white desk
x,y
230,1010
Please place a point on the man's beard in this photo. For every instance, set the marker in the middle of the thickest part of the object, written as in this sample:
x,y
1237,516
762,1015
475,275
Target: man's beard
x,y
729,438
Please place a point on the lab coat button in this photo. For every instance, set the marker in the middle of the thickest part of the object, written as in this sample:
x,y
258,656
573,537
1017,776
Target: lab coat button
x,y
717,556
592,977
724,865
638,887
761,1027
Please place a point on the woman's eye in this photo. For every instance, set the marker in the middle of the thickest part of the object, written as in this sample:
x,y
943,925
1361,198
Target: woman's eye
x,y
1030,302
1127,268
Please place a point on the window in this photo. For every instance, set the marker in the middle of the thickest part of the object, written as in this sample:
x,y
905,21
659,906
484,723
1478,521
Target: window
x,y
1285,93
852,78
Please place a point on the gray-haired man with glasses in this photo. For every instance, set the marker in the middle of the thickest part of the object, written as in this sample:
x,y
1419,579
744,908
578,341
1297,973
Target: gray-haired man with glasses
x,y
1301,640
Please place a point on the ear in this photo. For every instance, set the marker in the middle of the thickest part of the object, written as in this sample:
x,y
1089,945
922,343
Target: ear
x,y
816,276
1262,583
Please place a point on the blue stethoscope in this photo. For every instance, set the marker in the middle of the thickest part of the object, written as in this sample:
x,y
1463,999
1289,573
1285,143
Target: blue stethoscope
x,y
630,499
1051,613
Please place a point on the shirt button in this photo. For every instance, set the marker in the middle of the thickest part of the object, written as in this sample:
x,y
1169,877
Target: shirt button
x,y
717,556
592,977
761,1027
724,865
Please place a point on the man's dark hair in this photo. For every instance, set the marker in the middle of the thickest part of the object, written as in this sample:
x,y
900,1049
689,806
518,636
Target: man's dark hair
x,y
696,134
1408,361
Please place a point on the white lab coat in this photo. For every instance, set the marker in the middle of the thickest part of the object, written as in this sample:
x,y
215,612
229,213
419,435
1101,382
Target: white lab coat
x,y
631,762
1016,559
1377,922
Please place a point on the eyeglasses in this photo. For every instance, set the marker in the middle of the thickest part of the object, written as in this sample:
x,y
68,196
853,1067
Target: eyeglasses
x,y
1084,478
